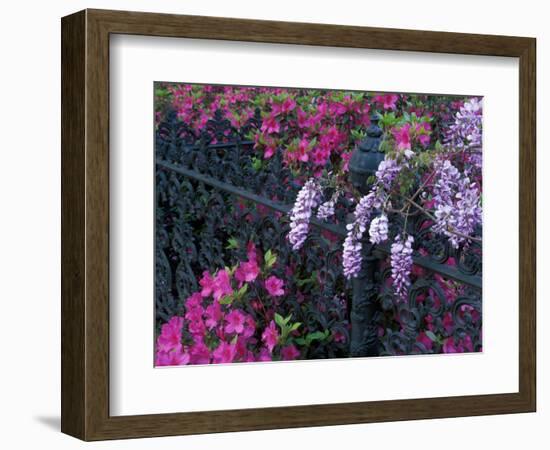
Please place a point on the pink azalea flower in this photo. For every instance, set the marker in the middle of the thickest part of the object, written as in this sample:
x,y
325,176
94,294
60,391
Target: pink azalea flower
x,y
264,355
247,271
199,353
270,336
251,252
173,358
303,149
213,315
303,119
337,109
289,352
170,336
222,285
235,322
270,125
196,326
207,283
194,301
241,352
274,286
402,137
224,353
387,101
285,107
423,131
269,151
320,156
249,327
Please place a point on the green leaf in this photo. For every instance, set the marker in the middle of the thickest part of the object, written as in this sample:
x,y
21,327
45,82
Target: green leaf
x,y
432,336
232,244
270,259
226,300
242,291
316,335
279,320
295,326
256,164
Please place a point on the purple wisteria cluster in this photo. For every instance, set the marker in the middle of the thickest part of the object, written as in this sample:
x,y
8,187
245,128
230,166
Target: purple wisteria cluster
x,y
457,204
326,210
308,199
378,230
352,244
466,131
401,264
387,171
386,174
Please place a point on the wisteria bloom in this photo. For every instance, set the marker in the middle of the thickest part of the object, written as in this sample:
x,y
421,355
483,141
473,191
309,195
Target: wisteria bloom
x,y
401,264
378,230
466,131
308,198
274,286
326,210
457,204
387,171
352,244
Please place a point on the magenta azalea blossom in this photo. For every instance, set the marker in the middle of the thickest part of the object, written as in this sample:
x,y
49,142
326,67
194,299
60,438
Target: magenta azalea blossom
x,y
170,337
207,284
194,301
274,286
402,137
270,336
173,358
270,125
199,353
387,101
222,285
247,271
213,315
289,352
224,353
235,322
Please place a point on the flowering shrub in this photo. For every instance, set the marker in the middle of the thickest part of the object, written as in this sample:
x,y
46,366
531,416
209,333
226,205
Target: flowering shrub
x,y
314,129
235,317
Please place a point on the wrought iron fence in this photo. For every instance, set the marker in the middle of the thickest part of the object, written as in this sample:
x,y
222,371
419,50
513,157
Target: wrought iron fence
x,y
210,188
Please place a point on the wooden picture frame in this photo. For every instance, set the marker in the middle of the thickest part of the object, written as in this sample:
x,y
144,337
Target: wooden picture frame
x,y
85,224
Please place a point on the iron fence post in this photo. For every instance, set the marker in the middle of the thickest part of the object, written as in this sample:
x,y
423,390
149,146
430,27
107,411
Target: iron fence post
x,y
364,306
363,164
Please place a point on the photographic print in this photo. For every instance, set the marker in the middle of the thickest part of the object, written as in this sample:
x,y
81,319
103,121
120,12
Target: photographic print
x,y
301,224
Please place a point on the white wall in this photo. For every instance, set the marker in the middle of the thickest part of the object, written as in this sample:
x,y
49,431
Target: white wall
x,y
30,226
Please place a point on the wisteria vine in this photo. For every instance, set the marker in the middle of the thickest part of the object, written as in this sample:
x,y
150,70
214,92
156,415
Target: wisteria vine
x,y
443,183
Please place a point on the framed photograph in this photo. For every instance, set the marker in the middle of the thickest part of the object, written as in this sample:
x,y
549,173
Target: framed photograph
x,y
273,225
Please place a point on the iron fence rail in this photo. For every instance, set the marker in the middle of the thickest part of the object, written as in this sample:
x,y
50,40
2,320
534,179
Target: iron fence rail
x,y
379,250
